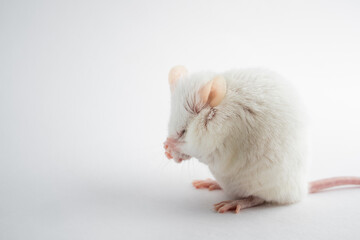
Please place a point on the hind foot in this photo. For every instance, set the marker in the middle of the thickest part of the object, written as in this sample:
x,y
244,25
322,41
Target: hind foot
x,y
237,205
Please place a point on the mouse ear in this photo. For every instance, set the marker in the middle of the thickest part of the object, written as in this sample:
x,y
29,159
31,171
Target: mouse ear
x,y
214,91
175,74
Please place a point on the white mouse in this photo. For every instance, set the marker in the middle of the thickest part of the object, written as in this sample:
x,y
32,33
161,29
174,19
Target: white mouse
x,y
247,126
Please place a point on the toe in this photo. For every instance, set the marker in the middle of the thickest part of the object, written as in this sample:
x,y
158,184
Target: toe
x,y
214,186
200,184
218,207
196,183
224,208
223,202
238,207
229,206
168,155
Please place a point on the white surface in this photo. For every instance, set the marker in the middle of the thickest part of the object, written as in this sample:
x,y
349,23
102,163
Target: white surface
x,y
84,104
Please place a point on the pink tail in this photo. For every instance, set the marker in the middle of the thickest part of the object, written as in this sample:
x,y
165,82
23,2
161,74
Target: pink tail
x,y
319,185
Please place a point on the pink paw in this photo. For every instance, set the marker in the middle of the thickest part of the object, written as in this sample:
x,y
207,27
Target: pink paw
x,y
172,152
237,205
207,183
226,206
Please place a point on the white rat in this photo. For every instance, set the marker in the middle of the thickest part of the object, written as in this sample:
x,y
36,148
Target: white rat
x,y
247,126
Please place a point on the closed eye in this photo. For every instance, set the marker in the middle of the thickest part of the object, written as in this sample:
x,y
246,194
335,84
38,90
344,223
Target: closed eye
x,y
181,133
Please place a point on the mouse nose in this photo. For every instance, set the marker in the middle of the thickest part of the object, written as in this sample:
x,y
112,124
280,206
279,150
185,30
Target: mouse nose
x,y
170,142
169,139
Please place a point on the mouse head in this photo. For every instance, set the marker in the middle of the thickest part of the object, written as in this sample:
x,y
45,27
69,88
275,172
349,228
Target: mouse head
x,y
196,117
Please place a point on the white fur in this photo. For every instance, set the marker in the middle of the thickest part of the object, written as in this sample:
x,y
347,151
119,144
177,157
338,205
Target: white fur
x,y
253,141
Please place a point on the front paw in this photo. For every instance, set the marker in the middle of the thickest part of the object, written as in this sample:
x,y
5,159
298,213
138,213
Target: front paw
x,y
171,153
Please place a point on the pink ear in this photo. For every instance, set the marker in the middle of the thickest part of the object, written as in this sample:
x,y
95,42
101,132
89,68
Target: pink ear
x,y
214,91
175,74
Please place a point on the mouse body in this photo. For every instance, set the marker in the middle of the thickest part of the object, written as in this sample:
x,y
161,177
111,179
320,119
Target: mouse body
x,y
248,126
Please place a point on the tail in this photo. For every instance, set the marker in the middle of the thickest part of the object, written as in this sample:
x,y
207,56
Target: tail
x,y
316,186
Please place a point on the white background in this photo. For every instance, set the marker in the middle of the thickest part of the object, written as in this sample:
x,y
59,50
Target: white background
x,y
84,105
